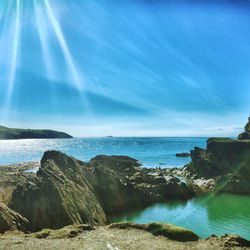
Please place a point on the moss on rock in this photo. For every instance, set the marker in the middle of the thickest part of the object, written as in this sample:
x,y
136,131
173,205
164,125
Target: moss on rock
x,y
167,230
63,233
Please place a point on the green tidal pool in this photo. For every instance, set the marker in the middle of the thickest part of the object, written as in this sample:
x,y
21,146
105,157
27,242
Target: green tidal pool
x,y
211,214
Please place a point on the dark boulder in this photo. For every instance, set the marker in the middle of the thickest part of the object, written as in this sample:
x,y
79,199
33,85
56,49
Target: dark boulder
x,y
183,155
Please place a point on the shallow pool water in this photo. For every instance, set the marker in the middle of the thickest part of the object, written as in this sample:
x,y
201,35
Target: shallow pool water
x,y
206,215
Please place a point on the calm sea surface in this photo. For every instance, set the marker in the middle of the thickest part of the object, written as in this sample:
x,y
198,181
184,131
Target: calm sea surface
x,y
151,152
206,215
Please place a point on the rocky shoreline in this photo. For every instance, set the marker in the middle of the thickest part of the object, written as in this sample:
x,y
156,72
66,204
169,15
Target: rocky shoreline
x,y
66,191
125,236
121,236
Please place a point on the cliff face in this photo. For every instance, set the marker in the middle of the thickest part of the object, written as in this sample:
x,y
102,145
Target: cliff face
x,y
60,195
245,135
67,191
227,161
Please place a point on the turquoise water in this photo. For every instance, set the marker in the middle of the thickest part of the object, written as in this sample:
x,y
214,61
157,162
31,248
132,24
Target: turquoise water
x,y
150,151
205,215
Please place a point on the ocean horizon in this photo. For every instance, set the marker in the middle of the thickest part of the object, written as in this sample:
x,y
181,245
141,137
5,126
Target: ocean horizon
x,y
149,151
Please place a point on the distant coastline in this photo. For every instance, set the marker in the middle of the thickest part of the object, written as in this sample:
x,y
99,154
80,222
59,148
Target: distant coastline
x,y
17,133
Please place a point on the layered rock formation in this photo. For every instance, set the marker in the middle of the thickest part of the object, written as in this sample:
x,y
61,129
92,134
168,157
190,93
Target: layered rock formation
x,y
10,220
67,191
246,134
59,195
227,161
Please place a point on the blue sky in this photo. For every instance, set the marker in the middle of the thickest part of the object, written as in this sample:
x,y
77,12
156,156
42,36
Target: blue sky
x,y
142,67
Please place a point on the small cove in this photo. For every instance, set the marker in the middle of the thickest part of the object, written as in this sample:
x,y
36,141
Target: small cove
x,y
206,215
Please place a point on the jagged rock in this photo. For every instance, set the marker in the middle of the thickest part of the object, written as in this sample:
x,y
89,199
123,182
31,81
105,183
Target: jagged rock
x,y
120,184
225,160
245,135
231,241
67,191
182,154
10,220
60,195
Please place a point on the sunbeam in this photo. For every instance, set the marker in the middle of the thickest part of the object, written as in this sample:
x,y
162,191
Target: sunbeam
x,y
76,77
88,55
14,54
43,37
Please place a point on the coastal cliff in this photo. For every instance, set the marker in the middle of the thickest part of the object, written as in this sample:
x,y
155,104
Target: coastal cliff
x,y
17,133
225,161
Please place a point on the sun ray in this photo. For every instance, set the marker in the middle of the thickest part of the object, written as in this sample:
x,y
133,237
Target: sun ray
x,y
76,76
43,37
14,53
6,17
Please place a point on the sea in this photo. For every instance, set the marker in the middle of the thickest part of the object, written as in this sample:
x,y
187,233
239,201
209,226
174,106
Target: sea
x,y
205,215
149,151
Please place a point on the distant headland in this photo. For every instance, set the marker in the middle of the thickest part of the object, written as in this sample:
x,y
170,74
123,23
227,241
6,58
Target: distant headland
x,y
17,133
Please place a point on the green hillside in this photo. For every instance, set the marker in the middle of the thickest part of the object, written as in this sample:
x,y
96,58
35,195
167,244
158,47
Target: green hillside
x,y
16,133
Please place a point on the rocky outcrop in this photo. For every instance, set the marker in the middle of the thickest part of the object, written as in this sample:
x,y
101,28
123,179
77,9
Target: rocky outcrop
x,y
167,230
10,220
183,155
59,195
225,160
67,191
120,184
246,134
